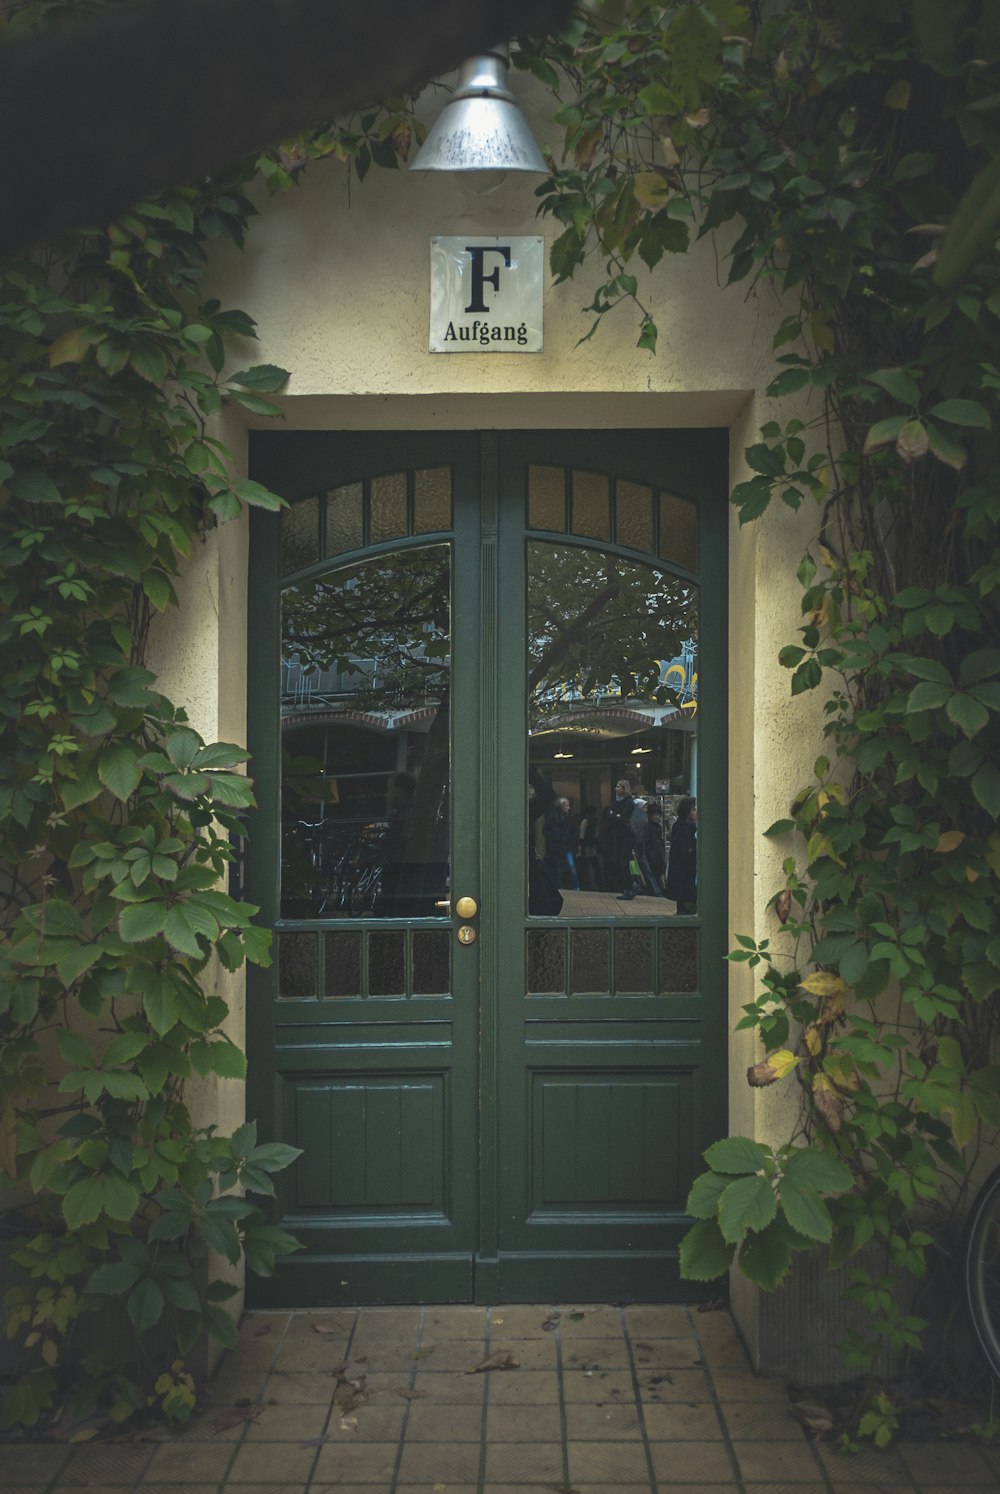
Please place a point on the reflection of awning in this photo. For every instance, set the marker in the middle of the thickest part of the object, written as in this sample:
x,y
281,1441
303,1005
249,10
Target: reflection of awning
x,y
382,721
607,720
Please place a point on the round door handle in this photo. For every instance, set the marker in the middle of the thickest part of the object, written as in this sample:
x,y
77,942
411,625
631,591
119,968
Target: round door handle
x,y
466,907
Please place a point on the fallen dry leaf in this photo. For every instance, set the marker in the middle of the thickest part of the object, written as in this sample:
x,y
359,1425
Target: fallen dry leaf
x,y
503,1359
348,1423
339,1369
550,1322
325,1330
817,1418
263,1330
423,1353
233,1416
410,1395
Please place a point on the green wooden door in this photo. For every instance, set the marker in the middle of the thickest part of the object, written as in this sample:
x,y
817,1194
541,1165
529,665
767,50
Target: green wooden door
x,y
450,633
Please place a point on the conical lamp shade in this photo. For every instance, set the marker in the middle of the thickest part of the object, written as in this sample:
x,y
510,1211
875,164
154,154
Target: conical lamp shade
x,y
480,128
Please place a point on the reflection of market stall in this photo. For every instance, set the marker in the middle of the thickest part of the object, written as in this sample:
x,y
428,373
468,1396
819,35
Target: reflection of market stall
x,y
365,740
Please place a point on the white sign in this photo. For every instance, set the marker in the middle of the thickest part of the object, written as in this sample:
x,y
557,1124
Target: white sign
x,y
486,294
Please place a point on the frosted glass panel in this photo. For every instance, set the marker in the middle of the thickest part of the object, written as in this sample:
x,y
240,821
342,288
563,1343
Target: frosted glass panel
x,y
344,518
678,960
634,521
386,964
591,507
342,974
590,964
678,531
296,966
431,499
633,960
388,507
431,962
546,498
546,962
299,535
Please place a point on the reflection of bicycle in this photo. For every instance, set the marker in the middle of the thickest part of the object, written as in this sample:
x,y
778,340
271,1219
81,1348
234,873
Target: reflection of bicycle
x,y
982,1269
364,893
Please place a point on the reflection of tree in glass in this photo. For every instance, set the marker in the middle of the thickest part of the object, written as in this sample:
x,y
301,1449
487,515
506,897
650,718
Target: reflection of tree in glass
x,y
598,624
384,622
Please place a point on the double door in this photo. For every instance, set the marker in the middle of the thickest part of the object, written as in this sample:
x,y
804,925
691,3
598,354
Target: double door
x,y
498,1043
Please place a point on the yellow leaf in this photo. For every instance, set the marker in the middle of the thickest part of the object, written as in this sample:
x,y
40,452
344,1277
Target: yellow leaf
x,y
898,96
962,1118
813,1041
782,1062
86,1434
669,151
699,119
586,147
971,875
824,983
949,840
822,334
50,1352
651,191
69,348
829,559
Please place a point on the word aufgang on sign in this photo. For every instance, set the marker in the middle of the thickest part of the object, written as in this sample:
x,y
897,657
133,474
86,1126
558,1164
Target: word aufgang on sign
x,y
486,294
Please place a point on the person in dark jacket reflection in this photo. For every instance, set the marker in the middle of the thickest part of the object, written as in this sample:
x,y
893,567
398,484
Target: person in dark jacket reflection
x,y
682,868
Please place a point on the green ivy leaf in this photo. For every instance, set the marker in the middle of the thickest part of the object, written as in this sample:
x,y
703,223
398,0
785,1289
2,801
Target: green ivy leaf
x,y
704,1254
805,1210
118,769
747,1204
737,1154
139,921
765,1257
986,787
968,714
145,1305
184,922
963,412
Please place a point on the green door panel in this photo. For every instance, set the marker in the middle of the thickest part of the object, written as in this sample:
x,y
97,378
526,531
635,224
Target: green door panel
x,y
519,1117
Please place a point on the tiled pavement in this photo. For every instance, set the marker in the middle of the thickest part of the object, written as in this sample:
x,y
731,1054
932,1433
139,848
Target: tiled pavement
x,y
603,1401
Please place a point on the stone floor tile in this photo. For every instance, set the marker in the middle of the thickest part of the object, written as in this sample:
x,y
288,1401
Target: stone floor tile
x,y
523,1424
596,1353
313,1388
536,1463
113,1464
697,1423
670,1386
723,1353
271,1463
757,1421
187,1463
447,1387
305,1324
589,1322
203,1429
31,1462
870,1466
532,1353
254,1323
288,1423
231,1385
521,1322
658,1322
366,1423
608,1462
940,1463
881,1488
990,1488
449,1354
732,1385
691,1462
303,1356
455,1322
430,1422
439,1463
356,1463
389,1322
597,1386
665,1353
381,1356
762,1462
171,1488
521,1387
600,1423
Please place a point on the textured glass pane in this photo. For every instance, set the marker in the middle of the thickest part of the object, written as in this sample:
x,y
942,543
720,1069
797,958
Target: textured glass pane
x,y
344,513
546,498
386,964
546,962
296,966
591,508
633,960
634,521
299,535
365,768
388,507
342,975
431,962
589,963
431,500
679,531
678,960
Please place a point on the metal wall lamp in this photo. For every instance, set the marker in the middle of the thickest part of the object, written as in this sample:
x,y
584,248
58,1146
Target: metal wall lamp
x,y
481,130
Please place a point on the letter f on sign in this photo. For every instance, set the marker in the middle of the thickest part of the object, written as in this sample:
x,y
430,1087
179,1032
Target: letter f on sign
x,y
479,276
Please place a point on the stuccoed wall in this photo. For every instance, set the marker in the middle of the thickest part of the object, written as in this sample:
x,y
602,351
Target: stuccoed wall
x,y
336,275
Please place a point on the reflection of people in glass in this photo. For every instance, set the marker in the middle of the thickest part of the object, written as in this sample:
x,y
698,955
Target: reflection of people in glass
x,y
560,844
682,870
544,898
587,860
623,809
650,850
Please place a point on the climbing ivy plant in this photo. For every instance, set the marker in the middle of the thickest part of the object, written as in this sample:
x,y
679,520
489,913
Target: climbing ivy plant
x,y
847,155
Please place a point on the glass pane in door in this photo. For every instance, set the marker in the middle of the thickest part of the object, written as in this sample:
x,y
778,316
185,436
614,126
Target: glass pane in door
x,y
365,728
613,732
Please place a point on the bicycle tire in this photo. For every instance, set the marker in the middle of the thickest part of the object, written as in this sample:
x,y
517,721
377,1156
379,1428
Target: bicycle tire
x,y
982,1269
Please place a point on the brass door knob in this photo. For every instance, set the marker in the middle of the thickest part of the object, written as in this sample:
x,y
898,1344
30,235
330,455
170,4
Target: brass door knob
x,y
466,907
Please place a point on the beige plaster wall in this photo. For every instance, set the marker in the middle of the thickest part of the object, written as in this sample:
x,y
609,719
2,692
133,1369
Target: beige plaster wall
x,y
336,276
